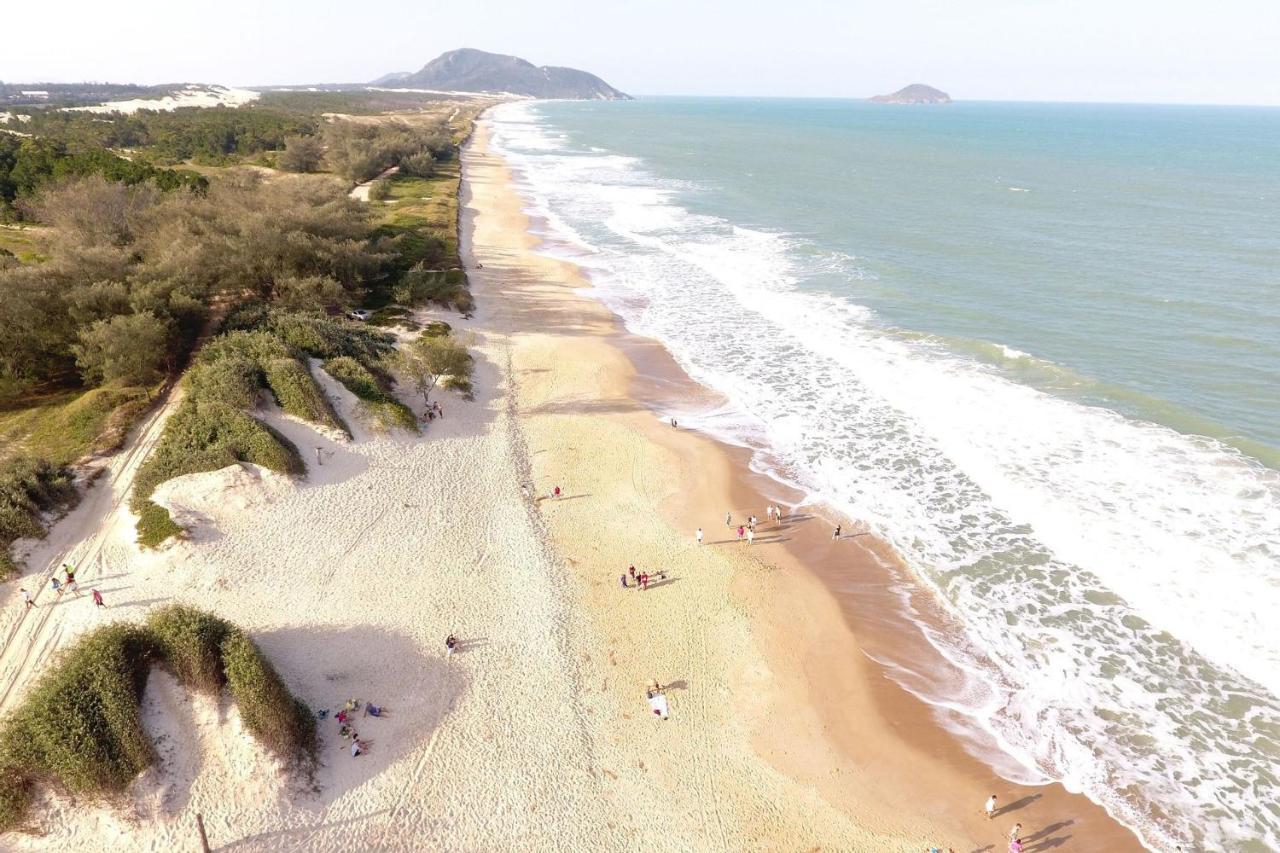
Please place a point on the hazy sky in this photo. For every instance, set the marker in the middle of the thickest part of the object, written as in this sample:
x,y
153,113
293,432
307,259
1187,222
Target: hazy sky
x,y
1104,50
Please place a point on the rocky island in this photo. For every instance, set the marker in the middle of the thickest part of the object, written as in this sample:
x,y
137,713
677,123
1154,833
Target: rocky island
x,y
916,93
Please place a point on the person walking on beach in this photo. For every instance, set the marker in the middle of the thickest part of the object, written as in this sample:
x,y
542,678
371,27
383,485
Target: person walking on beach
x,y
70,571
1015,832
632,571
769,511
26,596
836,533
741,530
623,578
97,599
1015,846
990,807
674,425
555,493
644,581
728,519
699,535
751,535
57,587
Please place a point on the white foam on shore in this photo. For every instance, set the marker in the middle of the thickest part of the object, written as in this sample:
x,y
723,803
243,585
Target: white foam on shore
x,y
1115,578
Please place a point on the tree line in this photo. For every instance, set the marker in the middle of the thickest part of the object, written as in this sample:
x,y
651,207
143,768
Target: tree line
x,y
210,136
29,163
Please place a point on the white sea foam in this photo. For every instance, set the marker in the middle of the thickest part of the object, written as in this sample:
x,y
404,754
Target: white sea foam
x,y
1115,579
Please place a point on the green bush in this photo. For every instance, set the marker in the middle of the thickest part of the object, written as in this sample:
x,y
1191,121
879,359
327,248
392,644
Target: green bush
x,y
205,437
269,711
384,410
29,487
323,337
230,381
155,525
190,642
81,726
296,391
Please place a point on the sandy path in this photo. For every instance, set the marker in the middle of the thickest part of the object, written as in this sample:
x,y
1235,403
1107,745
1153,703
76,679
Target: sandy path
x,y
30,636
360,192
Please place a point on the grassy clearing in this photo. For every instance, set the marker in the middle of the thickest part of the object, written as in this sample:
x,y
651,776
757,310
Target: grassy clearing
x,y
66,426
23,243
377,402
81,727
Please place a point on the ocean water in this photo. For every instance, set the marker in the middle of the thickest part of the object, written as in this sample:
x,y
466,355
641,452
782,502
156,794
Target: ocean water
x,y
1037,348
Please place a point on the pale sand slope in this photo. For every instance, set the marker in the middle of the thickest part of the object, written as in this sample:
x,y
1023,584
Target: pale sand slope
x,y
350,582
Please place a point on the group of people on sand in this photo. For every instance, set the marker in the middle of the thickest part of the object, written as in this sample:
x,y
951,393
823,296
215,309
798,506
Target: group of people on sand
x,y
434,410
59,587
641,580
345,717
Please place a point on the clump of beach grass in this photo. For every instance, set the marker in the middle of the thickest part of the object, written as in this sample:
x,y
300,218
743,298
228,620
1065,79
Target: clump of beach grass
x,y
80,728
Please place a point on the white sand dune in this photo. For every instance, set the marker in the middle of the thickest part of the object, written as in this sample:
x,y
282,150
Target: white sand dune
x,y
188,96
350,581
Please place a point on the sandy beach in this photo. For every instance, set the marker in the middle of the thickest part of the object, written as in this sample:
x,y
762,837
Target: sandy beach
x,y
536,735
788,704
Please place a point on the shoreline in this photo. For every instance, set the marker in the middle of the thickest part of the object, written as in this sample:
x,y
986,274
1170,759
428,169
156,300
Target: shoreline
x,y
831,721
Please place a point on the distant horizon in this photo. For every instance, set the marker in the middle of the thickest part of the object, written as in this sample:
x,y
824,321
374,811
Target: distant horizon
x,y
643,95
1089,51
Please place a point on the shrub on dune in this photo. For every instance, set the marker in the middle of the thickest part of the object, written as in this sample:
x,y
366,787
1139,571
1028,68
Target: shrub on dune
x,y
376,401
296,391
81,727
28,487
269,711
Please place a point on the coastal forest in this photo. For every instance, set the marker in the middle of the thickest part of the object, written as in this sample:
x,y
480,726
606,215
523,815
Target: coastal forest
x,y
133,245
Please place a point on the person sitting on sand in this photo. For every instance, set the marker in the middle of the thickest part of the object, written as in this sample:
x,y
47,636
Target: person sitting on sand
x,y
450,644
358,747
341,716
375,710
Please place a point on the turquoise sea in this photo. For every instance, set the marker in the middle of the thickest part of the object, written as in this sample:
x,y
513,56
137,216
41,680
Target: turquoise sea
x,y
1037,347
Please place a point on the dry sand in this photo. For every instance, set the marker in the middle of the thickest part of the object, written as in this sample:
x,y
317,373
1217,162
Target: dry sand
x,y
536,735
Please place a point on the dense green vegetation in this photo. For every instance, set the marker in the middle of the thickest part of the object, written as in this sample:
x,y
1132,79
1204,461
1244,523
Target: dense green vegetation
x,y
377,402
28,487
262,351
81,726
72,94
213,136
122,251
360,151
29,163
350,102
121,266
